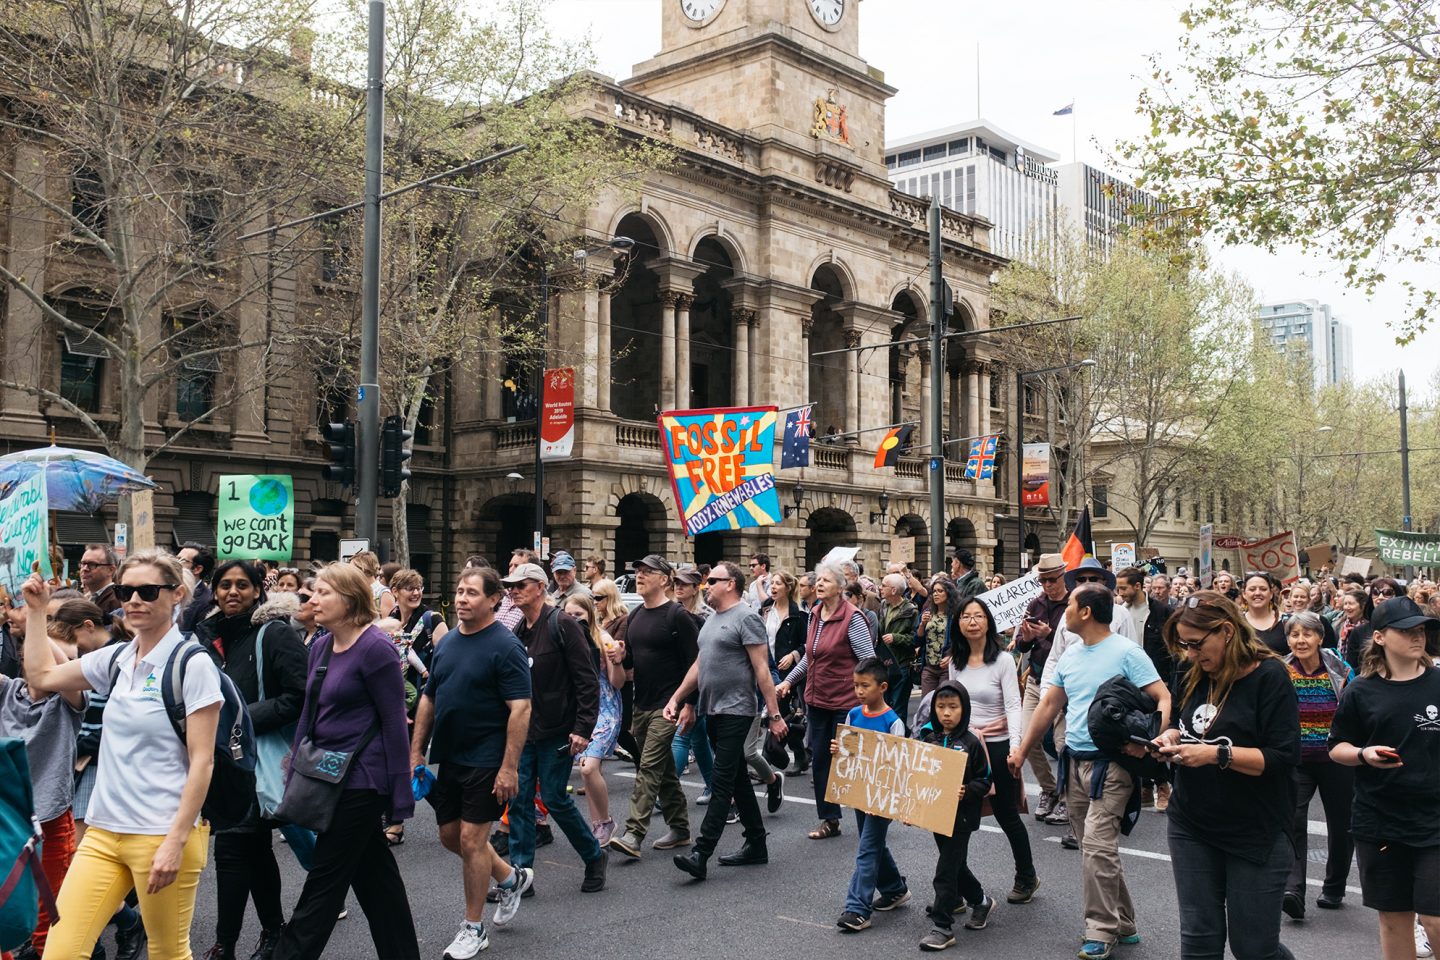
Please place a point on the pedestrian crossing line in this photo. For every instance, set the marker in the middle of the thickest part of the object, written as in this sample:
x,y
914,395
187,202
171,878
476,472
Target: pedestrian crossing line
x,y
807,923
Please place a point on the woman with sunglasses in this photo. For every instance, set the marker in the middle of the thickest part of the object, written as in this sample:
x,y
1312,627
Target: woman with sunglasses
x,y
1318,675
250,638
1260,598
304,619
1233,741
144,830
609,658
988,675
1387,725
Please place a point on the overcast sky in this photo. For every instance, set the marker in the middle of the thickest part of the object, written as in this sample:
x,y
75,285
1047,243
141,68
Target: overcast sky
x,y
1034,58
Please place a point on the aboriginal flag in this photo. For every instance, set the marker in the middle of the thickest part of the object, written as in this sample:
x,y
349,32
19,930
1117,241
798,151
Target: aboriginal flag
x,y
895,441
1081,543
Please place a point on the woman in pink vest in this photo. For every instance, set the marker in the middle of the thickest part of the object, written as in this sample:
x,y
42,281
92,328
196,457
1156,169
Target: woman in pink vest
x,y
836,639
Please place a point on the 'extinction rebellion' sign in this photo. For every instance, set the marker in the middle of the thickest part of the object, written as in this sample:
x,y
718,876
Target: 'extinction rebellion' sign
x,y
1415,549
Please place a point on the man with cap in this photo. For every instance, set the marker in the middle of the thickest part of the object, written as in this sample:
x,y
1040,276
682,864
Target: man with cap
x,y
689,595
1035,636
962,571
565,703
660,647
562,568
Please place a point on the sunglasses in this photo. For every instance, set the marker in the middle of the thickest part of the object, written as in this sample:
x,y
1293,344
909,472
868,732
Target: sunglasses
x,y
1055,579
1382,592
1194,644
149,592
304,597
714,580
1089,579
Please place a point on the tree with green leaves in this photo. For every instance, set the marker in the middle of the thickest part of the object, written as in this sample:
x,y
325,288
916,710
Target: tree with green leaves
x,y
1305,122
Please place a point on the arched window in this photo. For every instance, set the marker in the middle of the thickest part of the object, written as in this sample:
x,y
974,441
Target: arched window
x,y
83,356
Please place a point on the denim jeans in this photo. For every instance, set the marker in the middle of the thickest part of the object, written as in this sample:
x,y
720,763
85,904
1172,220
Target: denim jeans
x,y
897,698
695,740
874,866
1219,891
819,731
544,760
727,734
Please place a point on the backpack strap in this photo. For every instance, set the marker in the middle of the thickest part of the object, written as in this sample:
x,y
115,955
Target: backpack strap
x,y
260,658
27,858
115,664
172,686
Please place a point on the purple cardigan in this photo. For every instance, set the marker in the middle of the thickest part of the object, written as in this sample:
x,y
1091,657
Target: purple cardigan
x,y
360,683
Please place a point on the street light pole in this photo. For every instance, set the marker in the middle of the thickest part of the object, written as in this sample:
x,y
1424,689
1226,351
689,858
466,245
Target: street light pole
x,y
1405,518
937,370
367,447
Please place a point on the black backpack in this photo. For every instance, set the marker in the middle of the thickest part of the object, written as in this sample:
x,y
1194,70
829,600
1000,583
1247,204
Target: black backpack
x,y
232,781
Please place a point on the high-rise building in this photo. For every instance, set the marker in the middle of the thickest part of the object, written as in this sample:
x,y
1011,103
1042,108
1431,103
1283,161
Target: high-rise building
x,y
1309,328
1100,205
979,169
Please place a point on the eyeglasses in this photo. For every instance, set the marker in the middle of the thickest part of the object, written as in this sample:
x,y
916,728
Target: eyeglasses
x,y
1055,579
1194,644
90,564
972,616
149,592
714,580
1382,592
1089,579
754,563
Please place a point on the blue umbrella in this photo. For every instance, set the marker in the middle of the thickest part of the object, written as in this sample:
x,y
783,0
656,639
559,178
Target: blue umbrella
x,y
80,480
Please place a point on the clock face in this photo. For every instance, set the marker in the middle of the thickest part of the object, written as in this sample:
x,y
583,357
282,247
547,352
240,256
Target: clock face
x,y
828,12
701,10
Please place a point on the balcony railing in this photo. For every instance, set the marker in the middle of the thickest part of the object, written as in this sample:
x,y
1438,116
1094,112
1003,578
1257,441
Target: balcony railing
x,y
515,436
643,436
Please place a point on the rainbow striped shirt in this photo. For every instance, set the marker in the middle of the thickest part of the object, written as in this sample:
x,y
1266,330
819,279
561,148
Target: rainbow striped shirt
x,y
1317,710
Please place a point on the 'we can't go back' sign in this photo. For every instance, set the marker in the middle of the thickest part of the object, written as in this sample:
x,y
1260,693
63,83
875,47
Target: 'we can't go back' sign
x,y
897,778
256,518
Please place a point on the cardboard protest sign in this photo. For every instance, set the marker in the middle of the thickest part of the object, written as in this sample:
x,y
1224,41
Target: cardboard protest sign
x,y
1277,554
722,467
1008,601
1401,548
142,510
902,549
1319,554
256,519
1122,555
897,778
25,533
1360,565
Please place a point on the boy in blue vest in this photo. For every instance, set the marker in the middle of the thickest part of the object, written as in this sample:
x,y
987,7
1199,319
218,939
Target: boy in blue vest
x,y
874,866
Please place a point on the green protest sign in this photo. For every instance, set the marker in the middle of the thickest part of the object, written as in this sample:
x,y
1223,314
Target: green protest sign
x,y
1409,549
25,533
256,518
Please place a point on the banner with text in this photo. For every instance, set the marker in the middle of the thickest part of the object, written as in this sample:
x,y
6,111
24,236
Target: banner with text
x,y
256,517
1035,475
557,414
1008,601
1400,548
897,778
722,467
1122,555
1207,555
25,533
1277,554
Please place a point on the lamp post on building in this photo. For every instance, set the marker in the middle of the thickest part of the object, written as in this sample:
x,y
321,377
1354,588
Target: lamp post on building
x,y
1020,377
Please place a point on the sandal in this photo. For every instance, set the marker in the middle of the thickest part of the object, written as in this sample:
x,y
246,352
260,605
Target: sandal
x,y
826,830
395,836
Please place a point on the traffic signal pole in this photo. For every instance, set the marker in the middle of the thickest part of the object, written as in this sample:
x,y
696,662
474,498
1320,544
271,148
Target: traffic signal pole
x,y
368,397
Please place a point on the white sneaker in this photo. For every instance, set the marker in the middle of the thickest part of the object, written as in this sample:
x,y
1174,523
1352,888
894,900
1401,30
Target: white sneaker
x,y
467,943
1422,942
509,904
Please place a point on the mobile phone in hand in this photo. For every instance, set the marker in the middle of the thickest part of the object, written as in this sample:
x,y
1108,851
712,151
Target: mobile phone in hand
x,y
1387,754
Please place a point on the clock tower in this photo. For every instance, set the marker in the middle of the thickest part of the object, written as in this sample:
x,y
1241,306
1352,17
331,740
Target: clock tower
x,y
787,72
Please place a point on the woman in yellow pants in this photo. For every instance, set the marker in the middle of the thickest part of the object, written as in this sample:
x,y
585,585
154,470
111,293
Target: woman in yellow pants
x,y
144,827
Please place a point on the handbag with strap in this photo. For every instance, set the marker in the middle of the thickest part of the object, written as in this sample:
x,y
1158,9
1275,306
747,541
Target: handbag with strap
x,y
270,748
317,774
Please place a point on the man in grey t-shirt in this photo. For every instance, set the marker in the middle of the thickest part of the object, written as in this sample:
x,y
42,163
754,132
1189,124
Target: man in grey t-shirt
x,y
734,659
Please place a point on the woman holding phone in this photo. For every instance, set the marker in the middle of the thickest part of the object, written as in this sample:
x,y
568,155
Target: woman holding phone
x,y
1388,726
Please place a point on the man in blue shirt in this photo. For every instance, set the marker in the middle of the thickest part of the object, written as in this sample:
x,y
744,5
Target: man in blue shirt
x,y
475,715
1097,790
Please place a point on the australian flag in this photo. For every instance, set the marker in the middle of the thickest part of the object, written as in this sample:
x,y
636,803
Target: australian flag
x,y
796,450
981,465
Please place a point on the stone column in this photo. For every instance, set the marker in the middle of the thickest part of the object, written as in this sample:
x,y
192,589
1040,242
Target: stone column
x,y
602,350
682,350
926,423
24,357
752,331
741,378
972,395
852,382
668,300
492,398
985,399
956,418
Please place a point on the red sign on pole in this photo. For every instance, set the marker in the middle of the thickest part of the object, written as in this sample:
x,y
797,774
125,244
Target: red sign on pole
x,y
557,417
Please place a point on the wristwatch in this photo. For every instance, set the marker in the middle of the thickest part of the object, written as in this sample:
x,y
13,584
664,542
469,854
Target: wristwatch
x,y
1223,756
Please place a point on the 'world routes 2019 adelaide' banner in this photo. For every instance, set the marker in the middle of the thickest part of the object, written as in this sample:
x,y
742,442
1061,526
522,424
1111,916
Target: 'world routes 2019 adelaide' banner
x,y
722,467
1400,549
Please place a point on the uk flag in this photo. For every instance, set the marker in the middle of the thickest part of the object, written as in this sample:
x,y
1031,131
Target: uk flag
x,y
981,465
796,449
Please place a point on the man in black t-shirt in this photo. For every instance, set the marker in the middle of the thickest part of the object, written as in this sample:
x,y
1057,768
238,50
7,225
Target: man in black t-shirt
x,y
660,645
475,713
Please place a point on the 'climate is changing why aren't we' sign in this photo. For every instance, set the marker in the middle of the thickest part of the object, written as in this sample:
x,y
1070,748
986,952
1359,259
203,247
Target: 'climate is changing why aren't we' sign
x,y
256,517
897,778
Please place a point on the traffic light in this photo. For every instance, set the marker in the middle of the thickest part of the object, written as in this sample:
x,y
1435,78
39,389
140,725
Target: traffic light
x,y
393,454
340,447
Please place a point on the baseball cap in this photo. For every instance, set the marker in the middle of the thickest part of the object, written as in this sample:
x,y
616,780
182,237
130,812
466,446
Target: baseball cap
x,y
656,562
1401,613
688,575
527,571
562,561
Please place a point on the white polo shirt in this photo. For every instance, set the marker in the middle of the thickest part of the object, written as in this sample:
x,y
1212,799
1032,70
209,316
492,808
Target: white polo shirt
x,y
142,764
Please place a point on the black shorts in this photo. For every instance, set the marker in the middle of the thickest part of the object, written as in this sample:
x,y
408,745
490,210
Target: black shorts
x,y
465,793
1397,878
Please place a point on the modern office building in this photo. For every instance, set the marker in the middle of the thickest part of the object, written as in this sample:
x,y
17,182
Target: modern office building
x,y
1310,328
1100,205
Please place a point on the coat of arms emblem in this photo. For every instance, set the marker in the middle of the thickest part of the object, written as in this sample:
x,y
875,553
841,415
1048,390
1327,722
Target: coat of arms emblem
x,y
830,120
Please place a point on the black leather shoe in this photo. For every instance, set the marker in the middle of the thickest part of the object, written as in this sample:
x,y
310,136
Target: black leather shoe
x,y
1293,905
748,855
129,943
692,863
1326,902
269,940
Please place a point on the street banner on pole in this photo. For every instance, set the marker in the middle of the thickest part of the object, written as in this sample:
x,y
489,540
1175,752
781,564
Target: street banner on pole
x,y
256,517
1399,548
1277,554
142,511
557,415
1008,601
1122,555
722,467
897,778
25,533
1035,477
1207,555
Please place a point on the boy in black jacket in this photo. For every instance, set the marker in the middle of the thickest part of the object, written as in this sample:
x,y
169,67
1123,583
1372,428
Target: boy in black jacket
x,y
949,726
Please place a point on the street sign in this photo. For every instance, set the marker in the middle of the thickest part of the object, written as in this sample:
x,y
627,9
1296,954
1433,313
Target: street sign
x,y
122,540
557,417
348,548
